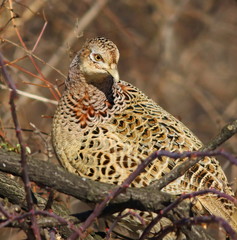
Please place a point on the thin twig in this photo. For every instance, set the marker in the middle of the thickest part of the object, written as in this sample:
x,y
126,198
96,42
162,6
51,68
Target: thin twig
x,y
40,35
41,213
195,221
85,20
4,212
100,207
32,96
25,176
35,56
164,211
50,85
12,63
226,132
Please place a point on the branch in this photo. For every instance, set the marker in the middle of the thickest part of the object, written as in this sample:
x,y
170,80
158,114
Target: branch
x,y
55,177
23,160
30,95
48,174
86,190
197,220
226,132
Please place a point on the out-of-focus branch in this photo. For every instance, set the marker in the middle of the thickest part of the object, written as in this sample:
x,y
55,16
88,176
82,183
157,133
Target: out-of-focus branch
x,y
84,21
32,96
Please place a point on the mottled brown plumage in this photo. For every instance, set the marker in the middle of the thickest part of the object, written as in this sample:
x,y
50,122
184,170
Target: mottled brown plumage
x,y
104,127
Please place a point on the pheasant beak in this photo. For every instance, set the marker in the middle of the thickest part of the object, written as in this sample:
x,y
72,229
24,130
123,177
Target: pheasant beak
x,y
113,71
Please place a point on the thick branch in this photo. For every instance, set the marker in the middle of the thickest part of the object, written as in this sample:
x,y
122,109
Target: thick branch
x,y
55,177
86,190
48,174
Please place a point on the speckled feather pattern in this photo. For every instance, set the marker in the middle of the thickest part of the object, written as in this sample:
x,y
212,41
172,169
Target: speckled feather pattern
x,y
105,140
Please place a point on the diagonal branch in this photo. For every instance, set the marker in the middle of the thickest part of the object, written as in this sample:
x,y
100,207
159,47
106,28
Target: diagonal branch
x,y
226,132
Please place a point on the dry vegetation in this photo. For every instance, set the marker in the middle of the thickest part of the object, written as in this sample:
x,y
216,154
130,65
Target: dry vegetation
x,y
182,54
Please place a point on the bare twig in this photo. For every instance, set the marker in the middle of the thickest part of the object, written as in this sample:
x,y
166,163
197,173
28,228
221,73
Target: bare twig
x,y
35,56
100,207
164,211
195,221
51,86
23,161
226,132
4,212
40,35
86,19
32,96
37,212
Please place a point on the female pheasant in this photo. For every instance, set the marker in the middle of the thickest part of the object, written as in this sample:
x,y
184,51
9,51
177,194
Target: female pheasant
x,y
104,127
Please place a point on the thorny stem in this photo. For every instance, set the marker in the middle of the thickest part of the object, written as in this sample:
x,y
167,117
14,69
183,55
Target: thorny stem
x,y
195,221
100,207
177,155
25,176
226,132
13,218
164,211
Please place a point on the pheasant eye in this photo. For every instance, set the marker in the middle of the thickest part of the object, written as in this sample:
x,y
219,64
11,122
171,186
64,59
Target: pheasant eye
x,y
97,57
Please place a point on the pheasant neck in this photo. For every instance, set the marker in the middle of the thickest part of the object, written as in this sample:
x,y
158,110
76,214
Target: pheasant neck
x,y
97,95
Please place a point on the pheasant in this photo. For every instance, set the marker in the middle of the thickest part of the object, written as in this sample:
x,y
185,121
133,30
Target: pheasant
x,y
104,127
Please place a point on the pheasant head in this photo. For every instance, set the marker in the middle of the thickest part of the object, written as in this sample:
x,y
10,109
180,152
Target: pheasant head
x,y
96,62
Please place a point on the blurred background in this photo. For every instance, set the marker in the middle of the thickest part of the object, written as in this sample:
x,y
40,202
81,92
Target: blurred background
x,y
182,54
